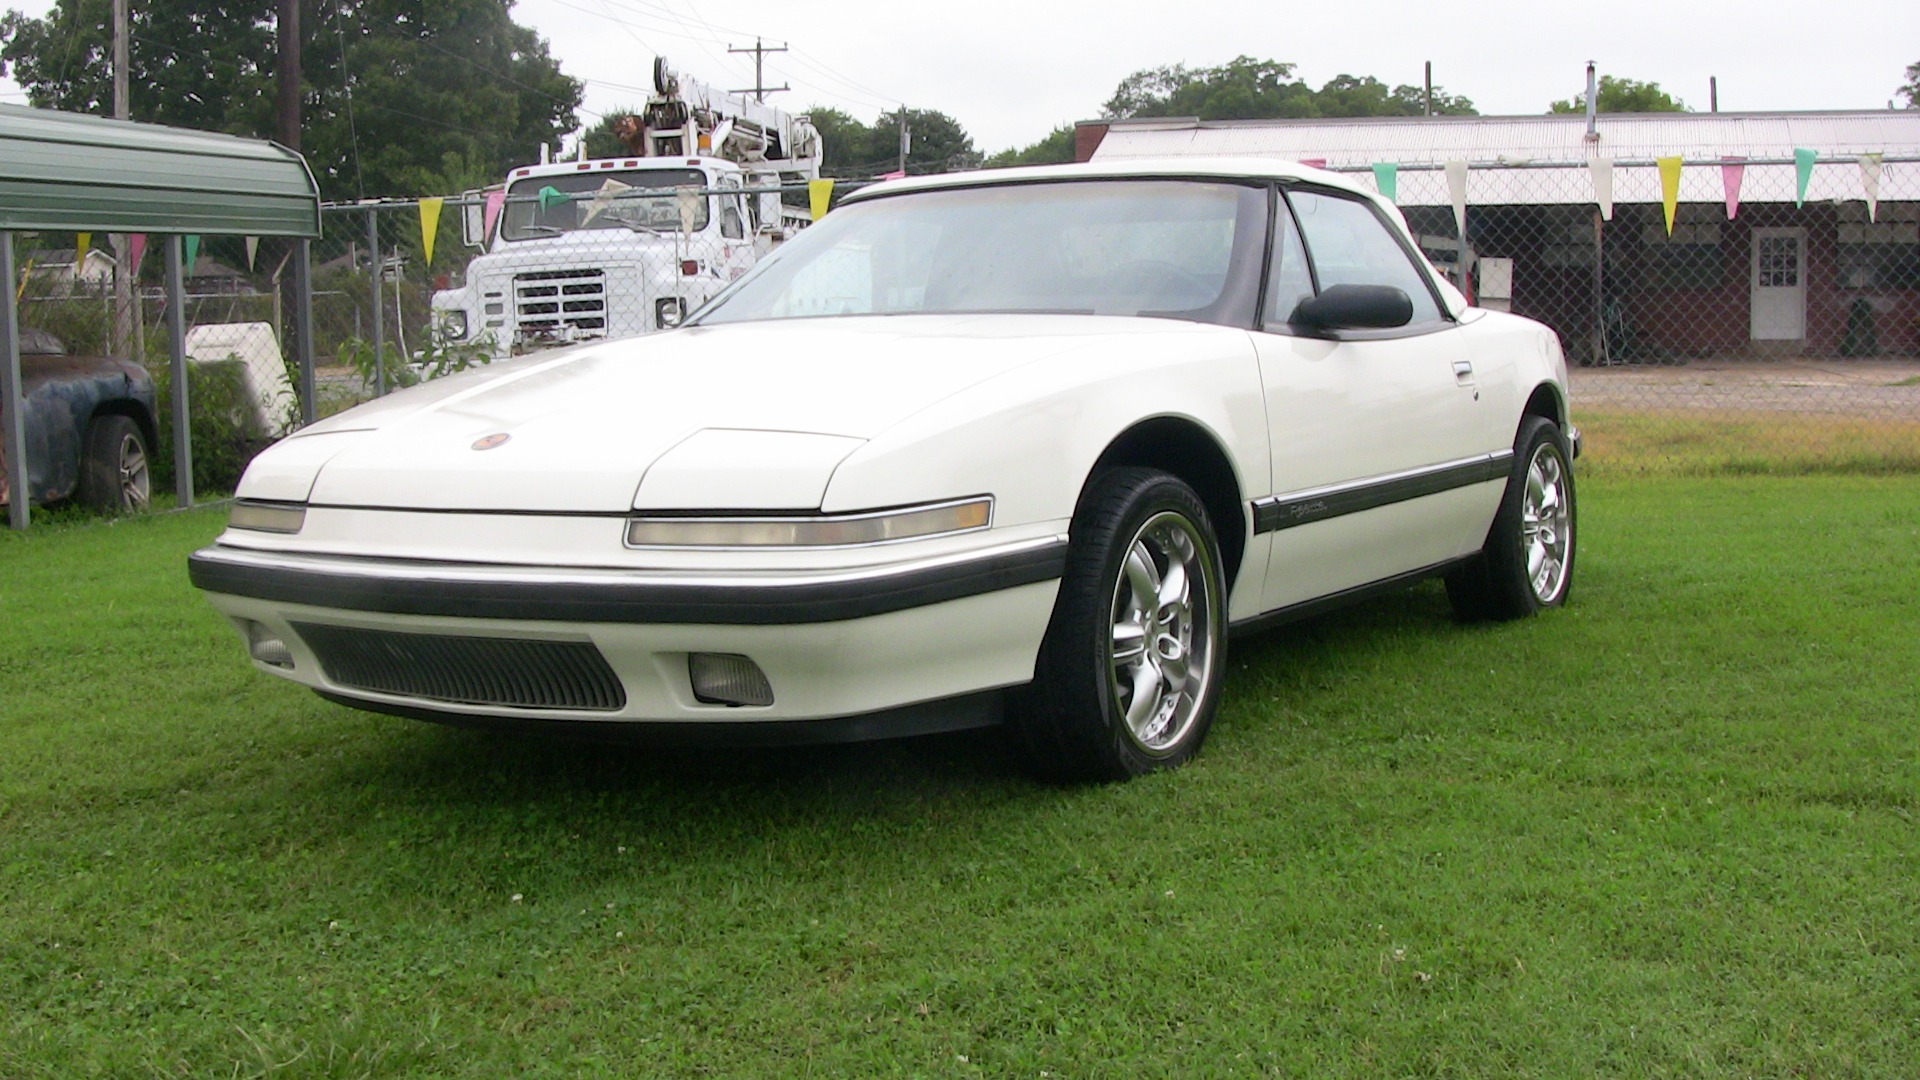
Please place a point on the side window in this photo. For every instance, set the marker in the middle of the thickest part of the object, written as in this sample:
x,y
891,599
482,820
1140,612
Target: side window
x,y
730,224
1350,245
1288,281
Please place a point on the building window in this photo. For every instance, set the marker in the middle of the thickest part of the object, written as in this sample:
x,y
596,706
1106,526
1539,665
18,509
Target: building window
x,y
1882,254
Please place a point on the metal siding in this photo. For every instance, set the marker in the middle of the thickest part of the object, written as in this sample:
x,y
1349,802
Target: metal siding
x,y
1501,149
64,171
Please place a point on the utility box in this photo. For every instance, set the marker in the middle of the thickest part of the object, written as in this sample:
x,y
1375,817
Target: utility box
x,y
1496,284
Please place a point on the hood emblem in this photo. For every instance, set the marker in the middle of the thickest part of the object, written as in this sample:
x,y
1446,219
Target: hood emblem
x,y
488,442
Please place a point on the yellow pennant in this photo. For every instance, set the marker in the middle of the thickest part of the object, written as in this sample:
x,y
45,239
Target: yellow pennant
x,y
1669,188
82,243
819,196
429,224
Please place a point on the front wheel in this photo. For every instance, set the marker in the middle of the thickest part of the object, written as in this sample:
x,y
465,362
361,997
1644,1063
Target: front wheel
x,y
1527,563
1128,677
114,476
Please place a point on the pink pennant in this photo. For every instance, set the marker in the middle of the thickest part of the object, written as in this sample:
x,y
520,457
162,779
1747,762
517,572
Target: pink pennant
x,y
896,174
1732,169
495,200
1314,162
138,242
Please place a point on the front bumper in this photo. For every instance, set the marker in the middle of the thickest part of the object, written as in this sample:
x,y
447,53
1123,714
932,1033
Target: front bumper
x,y
832,643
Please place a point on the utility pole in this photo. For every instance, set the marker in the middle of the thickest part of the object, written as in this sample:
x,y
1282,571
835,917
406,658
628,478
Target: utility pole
x,y
123,322
286,31
906,139
760,88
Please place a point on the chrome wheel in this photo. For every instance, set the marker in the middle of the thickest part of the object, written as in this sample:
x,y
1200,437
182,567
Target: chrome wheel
x,y
135,482
1546,523
1163,620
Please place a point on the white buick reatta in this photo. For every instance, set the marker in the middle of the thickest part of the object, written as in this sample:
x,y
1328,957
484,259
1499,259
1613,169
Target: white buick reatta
x,y
1011,447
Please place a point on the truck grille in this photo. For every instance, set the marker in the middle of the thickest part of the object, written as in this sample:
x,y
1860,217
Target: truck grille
x,y
549,300
467,670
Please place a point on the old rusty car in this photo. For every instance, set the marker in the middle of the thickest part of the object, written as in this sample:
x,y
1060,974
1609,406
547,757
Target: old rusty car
x,y
89,426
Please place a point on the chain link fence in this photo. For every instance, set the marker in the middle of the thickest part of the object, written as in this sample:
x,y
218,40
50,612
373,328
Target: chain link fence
x,y
1778,324
1777,327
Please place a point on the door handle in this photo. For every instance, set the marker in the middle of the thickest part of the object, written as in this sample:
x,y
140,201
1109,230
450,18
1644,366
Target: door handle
x,y
1462,371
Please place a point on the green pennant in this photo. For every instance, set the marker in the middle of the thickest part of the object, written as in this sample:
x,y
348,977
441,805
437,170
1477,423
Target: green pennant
x,y
193,253
551,197
1386,177
1803,174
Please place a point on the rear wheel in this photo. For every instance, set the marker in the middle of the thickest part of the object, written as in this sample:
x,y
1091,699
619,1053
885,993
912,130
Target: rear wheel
x,y
1527,563
1129,674
114,474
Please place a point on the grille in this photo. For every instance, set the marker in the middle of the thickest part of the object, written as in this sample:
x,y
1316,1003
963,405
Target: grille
x,y
467,670
546,301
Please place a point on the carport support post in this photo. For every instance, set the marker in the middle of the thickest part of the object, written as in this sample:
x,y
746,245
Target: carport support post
x,y
379,330
12,416
303,328
177,350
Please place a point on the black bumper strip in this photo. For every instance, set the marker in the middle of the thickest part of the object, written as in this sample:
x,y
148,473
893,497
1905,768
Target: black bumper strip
x,y
1275,513
611,600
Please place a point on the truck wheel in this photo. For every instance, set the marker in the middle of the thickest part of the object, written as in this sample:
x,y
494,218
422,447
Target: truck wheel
x,y
114,477
1128,677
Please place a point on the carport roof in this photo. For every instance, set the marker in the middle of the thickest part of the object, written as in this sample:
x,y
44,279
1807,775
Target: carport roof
x,y
67,171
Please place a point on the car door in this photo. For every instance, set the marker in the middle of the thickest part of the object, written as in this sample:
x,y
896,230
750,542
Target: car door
x,y
1381,446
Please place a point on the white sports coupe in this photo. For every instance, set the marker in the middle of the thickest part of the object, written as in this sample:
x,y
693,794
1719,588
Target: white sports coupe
x,y
1018,446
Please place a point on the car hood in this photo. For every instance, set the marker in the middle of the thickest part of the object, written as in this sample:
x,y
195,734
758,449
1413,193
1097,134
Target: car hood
x,y
578,430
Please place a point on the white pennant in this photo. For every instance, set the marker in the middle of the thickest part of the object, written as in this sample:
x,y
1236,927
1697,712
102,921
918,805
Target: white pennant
x,y
1457,191
1602,169
253,249
1870,180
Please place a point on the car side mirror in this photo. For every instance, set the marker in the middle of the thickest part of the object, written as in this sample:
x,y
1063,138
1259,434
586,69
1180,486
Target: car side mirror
x,y
1354,307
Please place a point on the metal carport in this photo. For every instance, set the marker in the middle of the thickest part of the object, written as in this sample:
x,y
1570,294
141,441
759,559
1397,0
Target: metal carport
x,y
75,173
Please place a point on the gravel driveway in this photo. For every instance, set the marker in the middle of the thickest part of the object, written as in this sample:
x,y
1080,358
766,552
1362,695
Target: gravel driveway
x,y
1880,389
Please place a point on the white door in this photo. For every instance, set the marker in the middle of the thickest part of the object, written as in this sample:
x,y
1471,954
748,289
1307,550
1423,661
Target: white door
x,y
1779,282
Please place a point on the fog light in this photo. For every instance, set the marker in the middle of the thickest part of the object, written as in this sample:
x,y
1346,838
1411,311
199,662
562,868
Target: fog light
x,y
727,679
266,648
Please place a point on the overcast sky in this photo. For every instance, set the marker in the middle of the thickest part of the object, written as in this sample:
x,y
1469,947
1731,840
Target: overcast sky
x,y
1010,72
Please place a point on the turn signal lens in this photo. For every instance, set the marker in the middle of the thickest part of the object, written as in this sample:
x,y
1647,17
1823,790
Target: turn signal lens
x,y
268,517
839,530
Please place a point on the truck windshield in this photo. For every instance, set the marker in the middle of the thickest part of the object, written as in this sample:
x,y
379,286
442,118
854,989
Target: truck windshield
x,y
649,200
1169,248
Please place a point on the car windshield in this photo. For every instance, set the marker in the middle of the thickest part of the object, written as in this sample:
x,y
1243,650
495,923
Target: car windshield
x,y
1168,248
639,200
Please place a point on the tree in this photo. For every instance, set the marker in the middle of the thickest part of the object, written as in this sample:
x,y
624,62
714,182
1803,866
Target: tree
x,y
1911,91
401,96
852,149
1056,148
1624,96
1249,89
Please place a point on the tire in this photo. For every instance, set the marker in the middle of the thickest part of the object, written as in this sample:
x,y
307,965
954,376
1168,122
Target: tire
x,y
115,477
1527,563
1128,677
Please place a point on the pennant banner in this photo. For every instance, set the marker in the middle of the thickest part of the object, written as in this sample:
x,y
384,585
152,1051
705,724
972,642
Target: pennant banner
x,y
137,248
82,243
491,215
1314,162
1669,187
1602,170
1457,191
1803,173
551,197
819,197
1870,183
253,250
1732,170
1386,177
430,224
193,252
897,174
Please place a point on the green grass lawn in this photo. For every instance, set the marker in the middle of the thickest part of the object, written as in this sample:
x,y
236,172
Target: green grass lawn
x,y
1669,831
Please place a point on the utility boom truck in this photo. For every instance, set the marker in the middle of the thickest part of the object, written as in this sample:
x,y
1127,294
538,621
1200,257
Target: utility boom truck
x,y
615,247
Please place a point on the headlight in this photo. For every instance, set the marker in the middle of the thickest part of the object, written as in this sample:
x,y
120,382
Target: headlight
x,y
268,517
668,311
835,530
453,326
